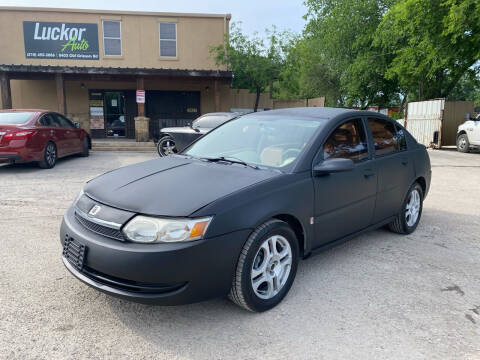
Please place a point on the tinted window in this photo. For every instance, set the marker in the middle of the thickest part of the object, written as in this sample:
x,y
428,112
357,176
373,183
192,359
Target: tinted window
x,y
384,136
210,121
15,117
348,141
47,120
401,138
64,122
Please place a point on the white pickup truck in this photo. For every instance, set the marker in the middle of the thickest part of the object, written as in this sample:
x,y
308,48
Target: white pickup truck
x,y
468,135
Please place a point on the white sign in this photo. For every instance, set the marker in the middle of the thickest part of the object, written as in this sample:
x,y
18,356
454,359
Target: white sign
x,y
96,111
140,96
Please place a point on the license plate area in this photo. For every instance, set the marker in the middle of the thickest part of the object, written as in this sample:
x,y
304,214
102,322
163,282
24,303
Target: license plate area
x,y
74,252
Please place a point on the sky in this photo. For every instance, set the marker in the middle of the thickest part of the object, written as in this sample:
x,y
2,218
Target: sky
x,y
255,15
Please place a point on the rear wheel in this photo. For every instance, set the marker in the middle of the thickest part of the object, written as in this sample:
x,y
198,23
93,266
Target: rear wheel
x,y
49,156
166,146
406,222
463,144
266,267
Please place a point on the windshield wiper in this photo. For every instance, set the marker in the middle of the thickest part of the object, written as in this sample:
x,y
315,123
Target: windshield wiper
x,y
232,160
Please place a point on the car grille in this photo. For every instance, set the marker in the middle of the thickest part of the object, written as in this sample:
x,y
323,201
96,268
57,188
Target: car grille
x,y
74,252
100,229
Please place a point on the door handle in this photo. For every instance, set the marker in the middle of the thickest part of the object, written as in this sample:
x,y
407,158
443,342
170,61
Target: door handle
x,y
368,173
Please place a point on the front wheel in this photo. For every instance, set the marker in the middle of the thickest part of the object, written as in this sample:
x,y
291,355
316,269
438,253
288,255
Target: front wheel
x,y
166,146
49,156
266,267
463,144
86,148
407,220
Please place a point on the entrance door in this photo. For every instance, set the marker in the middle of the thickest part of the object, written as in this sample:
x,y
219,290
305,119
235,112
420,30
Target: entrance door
x,y
115,114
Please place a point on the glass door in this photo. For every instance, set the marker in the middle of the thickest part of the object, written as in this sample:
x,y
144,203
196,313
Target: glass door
x,y
115,114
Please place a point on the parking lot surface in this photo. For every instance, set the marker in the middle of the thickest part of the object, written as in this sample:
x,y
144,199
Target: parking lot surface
x,y
379,296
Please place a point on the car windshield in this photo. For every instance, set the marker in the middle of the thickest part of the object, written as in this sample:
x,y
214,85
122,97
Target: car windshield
x,y
268,141
15,118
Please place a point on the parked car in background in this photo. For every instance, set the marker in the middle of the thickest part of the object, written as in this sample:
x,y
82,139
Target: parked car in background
x,y
236,210
468,135
175,139
40,136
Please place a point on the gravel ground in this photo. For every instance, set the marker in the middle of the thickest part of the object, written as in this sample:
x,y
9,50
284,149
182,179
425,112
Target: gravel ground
x,y
379,296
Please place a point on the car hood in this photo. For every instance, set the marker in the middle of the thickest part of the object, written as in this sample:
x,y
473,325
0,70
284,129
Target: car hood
x,y
172,186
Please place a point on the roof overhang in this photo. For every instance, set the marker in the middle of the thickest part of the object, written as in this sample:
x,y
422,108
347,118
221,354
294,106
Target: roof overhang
x,y
25,71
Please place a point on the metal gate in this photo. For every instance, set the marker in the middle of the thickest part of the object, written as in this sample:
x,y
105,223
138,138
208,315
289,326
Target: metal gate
x,y
424,121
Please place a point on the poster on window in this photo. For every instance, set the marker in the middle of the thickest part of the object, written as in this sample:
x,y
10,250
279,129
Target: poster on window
x,y
97,123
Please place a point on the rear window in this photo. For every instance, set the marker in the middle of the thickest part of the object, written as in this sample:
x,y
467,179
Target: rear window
x,y
15,117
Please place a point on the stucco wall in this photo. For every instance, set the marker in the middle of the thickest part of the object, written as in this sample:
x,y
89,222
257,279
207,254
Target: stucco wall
x,y
140,38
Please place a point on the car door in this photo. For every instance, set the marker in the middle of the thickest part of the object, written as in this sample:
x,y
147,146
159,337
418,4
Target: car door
x,y
475,132
395,168
345,201
51,132
74,135
71,141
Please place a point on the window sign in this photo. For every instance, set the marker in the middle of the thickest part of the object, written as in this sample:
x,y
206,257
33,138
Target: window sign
x,y
57,40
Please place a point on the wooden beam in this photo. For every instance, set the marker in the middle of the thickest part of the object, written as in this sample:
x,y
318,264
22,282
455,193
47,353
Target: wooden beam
x,y
217,96
6,91
141,86
62,107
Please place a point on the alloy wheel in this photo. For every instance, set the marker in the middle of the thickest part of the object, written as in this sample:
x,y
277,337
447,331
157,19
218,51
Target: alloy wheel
x,y
462,143
271,267
51,154
412,209
168,147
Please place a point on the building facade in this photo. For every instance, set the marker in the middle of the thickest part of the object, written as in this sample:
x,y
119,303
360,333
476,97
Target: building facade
x,y
90,64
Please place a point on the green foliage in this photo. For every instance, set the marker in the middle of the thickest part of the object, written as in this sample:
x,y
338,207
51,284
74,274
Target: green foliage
x,y
255,62
433,43
468,88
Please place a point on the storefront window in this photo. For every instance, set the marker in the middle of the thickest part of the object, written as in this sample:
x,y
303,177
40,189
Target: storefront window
x,y
112,38
168,39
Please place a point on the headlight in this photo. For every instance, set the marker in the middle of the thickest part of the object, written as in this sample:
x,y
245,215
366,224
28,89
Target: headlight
x,y
144,229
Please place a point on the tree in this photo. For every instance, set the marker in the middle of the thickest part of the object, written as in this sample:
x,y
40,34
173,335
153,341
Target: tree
x,y
255,62
336,56
468,88
433,43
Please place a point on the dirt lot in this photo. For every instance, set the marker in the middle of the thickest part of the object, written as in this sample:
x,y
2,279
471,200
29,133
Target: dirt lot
x,y
378,296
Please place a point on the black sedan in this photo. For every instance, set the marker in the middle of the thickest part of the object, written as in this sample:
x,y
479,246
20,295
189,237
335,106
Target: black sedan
x,y
175,139
234,212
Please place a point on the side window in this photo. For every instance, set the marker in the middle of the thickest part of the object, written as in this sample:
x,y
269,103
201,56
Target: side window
x,y
401,138
348,141
384,136
112,38
63,122
168,39
49,120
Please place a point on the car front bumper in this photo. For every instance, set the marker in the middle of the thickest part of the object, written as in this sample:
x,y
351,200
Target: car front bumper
x,y
164,274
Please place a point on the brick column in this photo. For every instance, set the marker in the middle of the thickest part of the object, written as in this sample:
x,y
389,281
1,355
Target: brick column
x,y
142,133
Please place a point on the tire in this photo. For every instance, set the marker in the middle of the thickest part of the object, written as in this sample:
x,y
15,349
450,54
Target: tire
x,y
406,221
86,148
49,156
166,146
463,145
267,267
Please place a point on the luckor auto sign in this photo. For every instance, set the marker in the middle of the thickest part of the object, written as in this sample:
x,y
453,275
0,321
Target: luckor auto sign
x,y
58,40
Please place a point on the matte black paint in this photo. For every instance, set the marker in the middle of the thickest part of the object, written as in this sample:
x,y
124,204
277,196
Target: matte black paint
x,y
240,198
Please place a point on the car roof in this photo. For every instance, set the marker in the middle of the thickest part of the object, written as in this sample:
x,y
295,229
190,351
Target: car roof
x,y
219,113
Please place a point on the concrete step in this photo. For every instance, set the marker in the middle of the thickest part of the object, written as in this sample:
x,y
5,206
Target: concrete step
x,y
123,145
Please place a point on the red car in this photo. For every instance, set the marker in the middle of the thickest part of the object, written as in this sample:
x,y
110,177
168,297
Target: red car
x,y
41,136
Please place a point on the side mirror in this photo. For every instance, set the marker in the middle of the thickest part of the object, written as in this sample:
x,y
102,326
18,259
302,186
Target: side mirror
x,y
333,166
77,125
